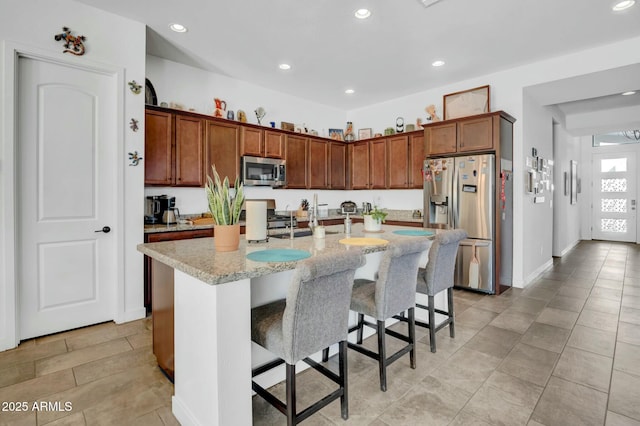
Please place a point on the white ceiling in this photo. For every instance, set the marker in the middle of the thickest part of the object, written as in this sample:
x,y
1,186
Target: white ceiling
x,y
386,56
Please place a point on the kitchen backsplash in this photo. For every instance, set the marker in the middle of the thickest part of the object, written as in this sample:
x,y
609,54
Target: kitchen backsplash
x,y
193,200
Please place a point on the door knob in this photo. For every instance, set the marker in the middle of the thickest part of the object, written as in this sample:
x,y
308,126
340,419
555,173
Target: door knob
x,y
104,229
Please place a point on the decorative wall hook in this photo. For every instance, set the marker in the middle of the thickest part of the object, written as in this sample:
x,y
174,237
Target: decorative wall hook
x,y
133,124
135,87
72,43
135,158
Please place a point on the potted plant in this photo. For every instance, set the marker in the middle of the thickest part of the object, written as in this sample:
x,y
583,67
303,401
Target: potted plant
x,y
374,219
225,210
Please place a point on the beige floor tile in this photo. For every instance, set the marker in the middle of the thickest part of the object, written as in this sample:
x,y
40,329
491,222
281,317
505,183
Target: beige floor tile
x,y
475,318
612,284
16,373
558,317
627,358
504,400
494,341
541,292
545,336
18,419
75,419
585,368
629,333
573,291
141,339
31,352
593,340
630,291
465,419
565,403
625,394
105,334
631,301
81,356
615,419
530,363
602,305
167,416
114,364
149,419
598,320
528,305
566,303
607,293
630,315
467,369
493,304
432,402
514,320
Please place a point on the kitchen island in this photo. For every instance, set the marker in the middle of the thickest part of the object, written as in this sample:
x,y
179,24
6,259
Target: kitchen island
x,y
213,296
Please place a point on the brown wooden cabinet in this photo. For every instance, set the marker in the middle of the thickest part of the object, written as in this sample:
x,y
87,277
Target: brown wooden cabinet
x,y
478,133
189,151
359,165
378,164
317,164
158,164
296,159
221,141
398,158
273,144
416,160
261,143
174,149
337,165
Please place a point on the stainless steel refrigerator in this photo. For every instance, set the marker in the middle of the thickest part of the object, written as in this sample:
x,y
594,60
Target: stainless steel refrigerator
x,y
460,192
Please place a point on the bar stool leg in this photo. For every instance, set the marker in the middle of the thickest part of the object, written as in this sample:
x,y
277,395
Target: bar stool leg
x,y
412,337
342,367
291,394
452,330
432,325
360,328
325,355
382,361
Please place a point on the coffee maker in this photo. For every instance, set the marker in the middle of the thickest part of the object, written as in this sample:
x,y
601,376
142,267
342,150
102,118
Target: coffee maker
x,y
155,206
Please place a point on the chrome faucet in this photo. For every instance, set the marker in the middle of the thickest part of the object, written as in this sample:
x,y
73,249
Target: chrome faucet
x,y
291,233
313,214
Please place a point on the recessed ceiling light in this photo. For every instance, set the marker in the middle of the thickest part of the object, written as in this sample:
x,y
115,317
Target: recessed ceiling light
x,y
629,93
362,13
178,28
437,63
625,4
349,91
284,66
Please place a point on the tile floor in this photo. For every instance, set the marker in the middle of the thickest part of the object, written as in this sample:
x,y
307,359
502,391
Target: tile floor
x,y
563,351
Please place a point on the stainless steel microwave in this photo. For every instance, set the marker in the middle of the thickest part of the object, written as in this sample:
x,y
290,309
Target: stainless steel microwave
x,y
257,171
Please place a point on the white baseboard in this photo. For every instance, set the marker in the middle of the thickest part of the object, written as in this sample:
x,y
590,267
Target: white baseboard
x,y
535,274
569,248
182,413
132,315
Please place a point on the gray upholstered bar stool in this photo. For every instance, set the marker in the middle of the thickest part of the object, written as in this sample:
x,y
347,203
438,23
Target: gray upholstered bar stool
x,y
437,277
393,291
314,315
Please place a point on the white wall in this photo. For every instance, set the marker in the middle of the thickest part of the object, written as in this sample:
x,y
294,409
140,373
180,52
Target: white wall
x,y
32,24
566,216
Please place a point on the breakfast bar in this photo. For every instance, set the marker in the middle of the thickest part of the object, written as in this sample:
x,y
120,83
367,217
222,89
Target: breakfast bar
x,y
213,295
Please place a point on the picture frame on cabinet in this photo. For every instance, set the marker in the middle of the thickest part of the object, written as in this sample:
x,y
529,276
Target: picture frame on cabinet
x,y
287,126
336,134
365,133
467,102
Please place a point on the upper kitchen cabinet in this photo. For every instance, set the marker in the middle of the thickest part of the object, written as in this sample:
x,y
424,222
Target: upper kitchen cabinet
x,y
173,149
337,165
317,164
416,160
221,140
478,133
359,164
296,161
378,164
261,143
189,151
398,158
158,165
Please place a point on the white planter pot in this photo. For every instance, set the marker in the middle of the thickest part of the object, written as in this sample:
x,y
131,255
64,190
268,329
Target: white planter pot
x,y
371,224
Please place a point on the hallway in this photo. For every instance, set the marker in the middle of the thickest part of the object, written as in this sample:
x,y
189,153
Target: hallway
x,y
565,351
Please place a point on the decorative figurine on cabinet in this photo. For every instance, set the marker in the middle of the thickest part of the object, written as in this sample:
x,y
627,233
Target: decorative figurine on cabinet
x,y
221,107
431,113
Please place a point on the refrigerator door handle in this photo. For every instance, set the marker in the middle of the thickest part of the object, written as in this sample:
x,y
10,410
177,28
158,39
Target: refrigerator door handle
x,y
453,209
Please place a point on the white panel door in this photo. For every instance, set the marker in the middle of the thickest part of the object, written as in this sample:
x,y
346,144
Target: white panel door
x,y
614,197
67,134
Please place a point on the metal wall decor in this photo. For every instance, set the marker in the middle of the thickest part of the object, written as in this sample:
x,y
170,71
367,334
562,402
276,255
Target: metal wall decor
x,y
133,124
135,87
73,44
135,158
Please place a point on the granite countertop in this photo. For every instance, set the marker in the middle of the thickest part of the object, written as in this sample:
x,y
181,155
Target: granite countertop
x,y
198,258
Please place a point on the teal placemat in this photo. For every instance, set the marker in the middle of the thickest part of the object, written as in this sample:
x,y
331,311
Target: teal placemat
x,y
413,232
278,255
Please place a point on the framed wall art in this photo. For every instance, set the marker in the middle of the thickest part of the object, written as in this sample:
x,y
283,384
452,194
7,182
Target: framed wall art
x,y
465,103
336,134
365,133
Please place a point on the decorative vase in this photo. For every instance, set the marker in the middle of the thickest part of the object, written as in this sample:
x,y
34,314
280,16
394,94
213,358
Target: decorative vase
x,y
371,224
226,237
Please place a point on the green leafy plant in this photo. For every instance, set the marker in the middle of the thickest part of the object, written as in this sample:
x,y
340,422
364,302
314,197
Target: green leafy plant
x,y
377,214
225,208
